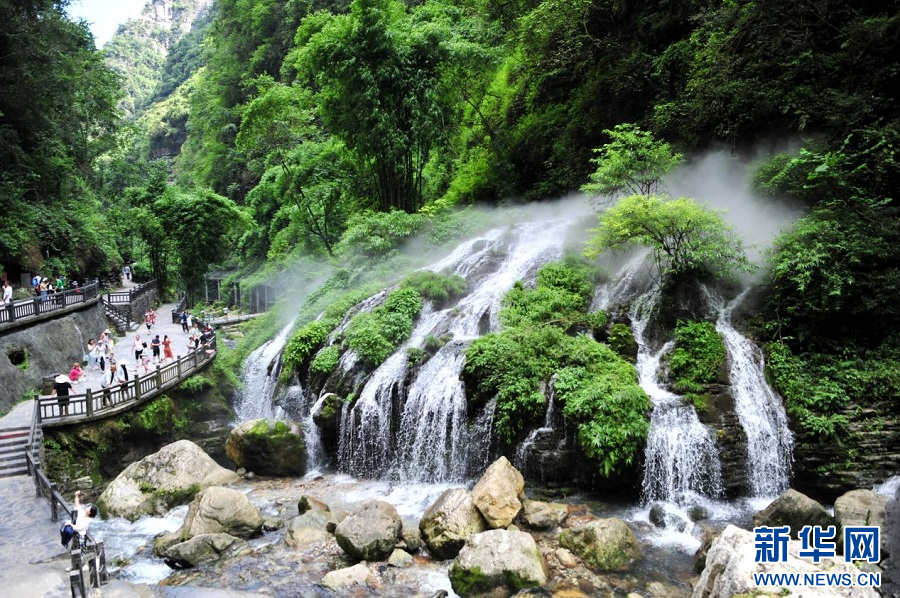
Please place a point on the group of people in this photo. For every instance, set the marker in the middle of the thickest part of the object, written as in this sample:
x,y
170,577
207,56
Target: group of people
x,y
44,287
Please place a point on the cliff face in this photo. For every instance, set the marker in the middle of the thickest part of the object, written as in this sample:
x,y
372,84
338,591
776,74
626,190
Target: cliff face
x,y
29,354
139,48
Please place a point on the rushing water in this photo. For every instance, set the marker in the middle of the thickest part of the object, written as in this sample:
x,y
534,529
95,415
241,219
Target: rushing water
x,y
418,431
259,378
681,458
759,409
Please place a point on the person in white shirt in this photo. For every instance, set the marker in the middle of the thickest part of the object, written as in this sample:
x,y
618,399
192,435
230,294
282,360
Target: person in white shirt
x,y
7,292
84,516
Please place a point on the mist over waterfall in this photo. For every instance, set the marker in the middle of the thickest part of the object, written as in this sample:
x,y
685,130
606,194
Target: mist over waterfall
x,y
759,409
416,429
259,378
681,457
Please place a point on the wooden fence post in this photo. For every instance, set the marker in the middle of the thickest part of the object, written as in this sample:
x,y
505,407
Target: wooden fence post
x,y
178,366
137,387
54,508
158,377
89,399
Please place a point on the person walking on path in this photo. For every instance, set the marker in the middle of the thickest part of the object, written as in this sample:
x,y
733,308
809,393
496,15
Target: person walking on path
x,y
167,349
137,347
155,346
7,292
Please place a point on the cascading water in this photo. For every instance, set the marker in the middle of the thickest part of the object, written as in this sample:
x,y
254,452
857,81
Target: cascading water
x,y
259,378
520,460
759,409
680,458
421,434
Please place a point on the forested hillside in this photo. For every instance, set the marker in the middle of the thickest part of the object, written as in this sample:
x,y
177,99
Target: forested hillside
x,y
280,130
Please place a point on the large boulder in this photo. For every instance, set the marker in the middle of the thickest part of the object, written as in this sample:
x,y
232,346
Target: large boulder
x,y
449,522
498,563
730,566
204,548
861,507
169,477
607,544
499,492
308,528
544,515
795,510
221,510
371,532
268,447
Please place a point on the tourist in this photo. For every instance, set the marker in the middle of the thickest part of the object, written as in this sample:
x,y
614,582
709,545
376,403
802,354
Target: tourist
x,y
82,520
184,321
43,288
137,345
91,354
145,359
61,388
76,373
7,292
127,271
155,346
167,349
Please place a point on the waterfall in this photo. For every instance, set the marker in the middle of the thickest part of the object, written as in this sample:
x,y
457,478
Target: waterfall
x,y
420,434
520,460
680,458
759,409
259,377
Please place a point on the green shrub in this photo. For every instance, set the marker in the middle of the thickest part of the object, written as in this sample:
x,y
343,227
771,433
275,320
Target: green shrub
x,y
305,342
698,356
415,356
435,287
375,335
621,340
326,360
378,234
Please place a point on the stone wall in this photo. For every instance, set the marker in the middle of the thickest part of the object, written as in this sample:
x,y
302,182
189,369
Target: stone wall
x,y
49,347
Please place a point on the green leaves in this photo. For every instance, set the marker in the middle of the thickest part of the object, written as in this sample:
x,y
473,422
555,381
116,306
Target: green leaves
x,y
697,358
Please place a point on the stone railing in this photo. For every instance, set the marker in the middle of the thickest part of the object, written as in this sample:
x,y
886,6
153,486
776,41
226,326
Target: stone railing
x,y
27,311
93,405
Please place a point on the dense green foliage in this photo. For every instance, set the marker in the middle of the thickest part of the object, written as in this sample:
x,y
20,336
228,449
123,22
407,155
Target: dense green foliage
x,y
438,288
598,388
696,360
376,334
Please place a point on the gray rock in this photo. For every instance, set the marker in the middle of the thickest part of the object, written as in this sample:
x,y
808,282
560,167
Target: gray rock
x,y
449,522
497,494
607,544
566,558
163,540
84,483
411,535
270,524
306,529
357,575
308,502
658,515
204,548
698,513
400,558
544,515
334,518
268,447
860,507
171,476
498,563
221,510
795,510
731,559
370,532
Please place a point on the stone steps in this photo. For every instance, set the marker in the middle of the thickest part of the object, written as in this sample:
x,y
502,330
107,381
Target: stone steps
x,y
13,444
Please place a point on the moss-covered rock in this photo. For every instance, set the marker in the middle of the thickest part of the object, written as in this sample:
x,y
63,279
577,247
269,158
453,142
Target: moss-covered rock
x,y
621,340
606,544
268,447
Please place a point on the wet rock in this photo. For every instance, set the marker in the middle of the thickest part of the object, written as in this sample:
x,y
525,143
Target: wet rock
x,y
497,494
270,524
730,563
400,558
163,540
172,476
268,447
698,513
449,522
371,532
357,575
795,510
544,515
334,518
565,558
204,548
860,507
498,563
308,502
221,510
411,535
84,483
707,536
607,544
307,528
658,515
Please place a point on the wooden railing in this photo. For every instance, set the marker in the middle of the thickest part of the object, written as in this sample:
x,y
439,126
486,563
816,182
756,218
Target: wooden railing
x,y
115,399
126,297
88,570
122,317
27,308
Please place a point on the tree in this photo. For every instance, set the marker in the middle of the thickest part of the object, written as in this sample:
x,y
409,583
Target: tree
x,y
381,91
632,162
684,236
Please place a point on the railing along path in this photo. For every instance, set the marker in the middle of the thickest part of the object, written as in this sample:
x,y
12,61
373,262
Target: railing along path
x,y
97,404
37,306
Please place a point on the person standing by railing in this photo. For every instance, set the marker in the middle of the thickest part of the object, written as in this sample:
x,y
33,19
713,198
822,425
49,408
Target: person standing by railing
x,y
83,517
61,388
7,292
